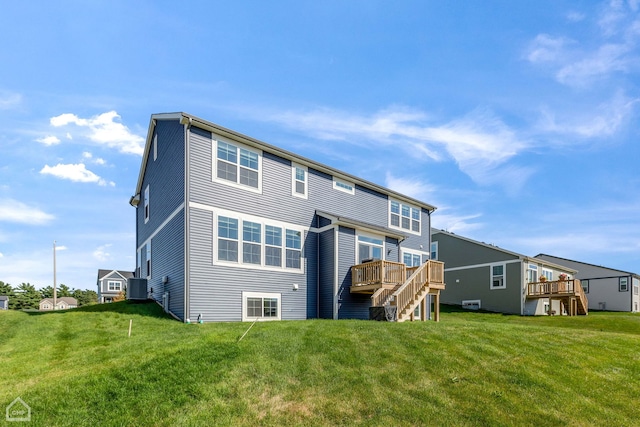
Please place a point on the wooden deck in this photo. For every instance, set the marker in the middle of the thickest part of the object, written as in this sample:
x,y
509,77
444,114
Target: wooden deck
x,y
569,292
393,283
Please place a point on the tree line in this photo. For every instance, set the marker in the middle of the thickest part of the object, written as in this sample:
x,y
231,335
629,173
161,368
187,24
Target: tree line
x,y
26,296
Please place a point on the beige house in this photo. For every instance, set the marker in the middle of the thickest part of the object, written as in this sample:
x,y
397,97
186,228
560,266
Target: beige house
x,y
62,303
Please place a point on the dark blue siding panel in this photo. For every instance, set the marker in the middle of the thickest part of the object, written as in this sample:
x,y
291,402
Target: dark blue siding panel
x,y
326,250
165,177
351,306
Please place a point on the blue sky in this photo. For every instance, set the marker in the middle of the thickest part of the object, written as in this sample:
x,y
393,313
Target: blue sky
x,y
518,120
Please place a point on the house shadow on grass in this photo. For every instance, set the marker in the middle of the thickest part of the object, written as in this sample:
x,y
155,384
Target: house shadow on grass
x,y
147,308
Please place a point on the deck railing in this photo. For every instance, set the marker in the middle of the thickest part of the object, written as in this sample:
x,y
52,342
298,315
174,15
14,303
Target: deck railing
x,y
427,273
378,272
567,287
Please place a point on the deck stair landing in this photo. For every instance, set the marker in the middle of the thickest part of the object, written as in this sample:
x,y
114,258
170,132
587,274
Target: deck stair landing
x,y
394,284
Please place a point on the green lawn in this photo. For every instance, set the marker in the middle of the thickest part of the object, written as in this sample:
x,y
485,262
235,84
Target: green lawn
x,y
80,368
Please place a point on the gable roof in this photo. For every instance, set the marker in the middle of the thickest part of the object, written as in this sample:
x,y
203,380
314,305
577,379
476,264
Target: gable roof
x,y
525,258
589,264
68,300
190,120
124,274
4,298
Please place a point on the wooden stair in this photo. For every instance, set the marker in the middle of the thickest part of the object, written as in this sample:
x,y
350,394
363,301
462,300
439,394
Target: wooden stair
x,y
424,280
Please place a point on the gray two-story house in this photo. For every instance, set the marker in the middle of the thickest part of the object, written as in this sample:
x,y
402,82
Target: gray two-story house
x,y
111,283
607,288
229,228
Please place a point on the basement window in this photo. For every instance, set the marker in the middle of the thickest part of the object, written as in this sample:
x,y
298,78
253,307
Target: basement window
x,y
261,306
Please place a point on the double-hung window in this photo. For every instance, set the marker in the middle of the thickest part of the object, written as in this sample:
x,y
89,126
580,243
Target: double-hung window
x,y
255,242
227,239
498,279
623,284
273,246
585,286
251,238
237,165
434,251
411,259
404,217
548,274
299,181
294,248
114,285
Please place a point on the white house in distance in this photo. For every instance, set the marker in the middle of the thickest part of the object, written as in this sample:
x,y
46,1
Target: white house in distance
x,y
62,303
607,288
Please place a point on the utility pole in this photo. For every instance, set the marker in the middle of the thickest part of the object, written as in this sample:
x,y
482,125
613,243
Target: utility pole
x,y
54,275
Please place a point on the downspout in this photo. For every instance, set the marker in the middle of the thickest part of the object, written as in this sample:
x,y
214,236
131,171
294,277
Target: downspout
x,y
336,258
187,127
317,271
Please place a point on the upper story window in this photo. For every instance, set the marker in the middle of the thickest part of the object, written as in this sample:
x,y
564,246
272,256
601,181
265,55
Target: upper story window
x,y
263,244
155,147
299,181
498,277
548,274
347,187
585,286
146,204
636,289
370,248
403,216
114,285
623,284
237,165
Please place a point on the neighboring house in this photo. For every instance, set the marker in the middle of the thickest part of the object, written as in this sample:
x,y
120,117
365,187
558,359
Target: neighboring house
x,y
606,288
229,228
111,283
484,276
62,303
4,302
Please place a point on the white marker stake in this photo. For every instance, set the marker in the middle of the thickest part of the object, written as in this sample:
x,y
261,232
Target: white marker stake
x,y
130,322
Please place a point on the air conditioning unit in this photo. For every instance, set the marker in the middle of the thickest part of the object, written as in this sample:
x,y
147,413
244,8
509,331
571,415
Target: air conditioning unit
x,y
137,289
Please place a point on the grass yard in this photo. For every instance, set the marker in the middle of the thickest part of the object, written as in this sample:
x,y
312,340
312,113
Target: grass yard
x,y
79,368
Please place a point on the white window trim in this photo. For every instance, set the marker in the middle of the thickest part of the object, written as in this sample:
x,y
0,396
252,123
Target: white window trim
x,y
399,227
582,282
504,276
117,282
626,284
468,302
371,236
214,165
413,252
263,222
548,274
146,205
139,263
148,263
431,249
294,180
245,295
155,147
344,190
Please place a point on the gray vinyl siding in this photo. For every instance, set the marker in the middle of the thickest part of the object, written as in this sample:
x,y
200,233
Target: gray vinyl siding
x,y
475,284
167,259
350,306
457,252
392,250
165,178
310,253
216,290
326,252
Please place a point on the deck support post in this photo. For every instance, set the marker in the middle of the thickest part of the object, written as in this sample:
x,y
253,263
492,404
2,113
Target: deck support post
x,y
436,306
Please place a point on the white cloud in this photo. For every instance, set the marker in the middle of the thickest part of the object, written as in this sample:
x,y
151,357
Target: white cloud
x,y
48,140
15,211
74,172
1,255
105,129
579,64
478,142
101,253
574,16
410,187
9,100
61,248
605,120
97,160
